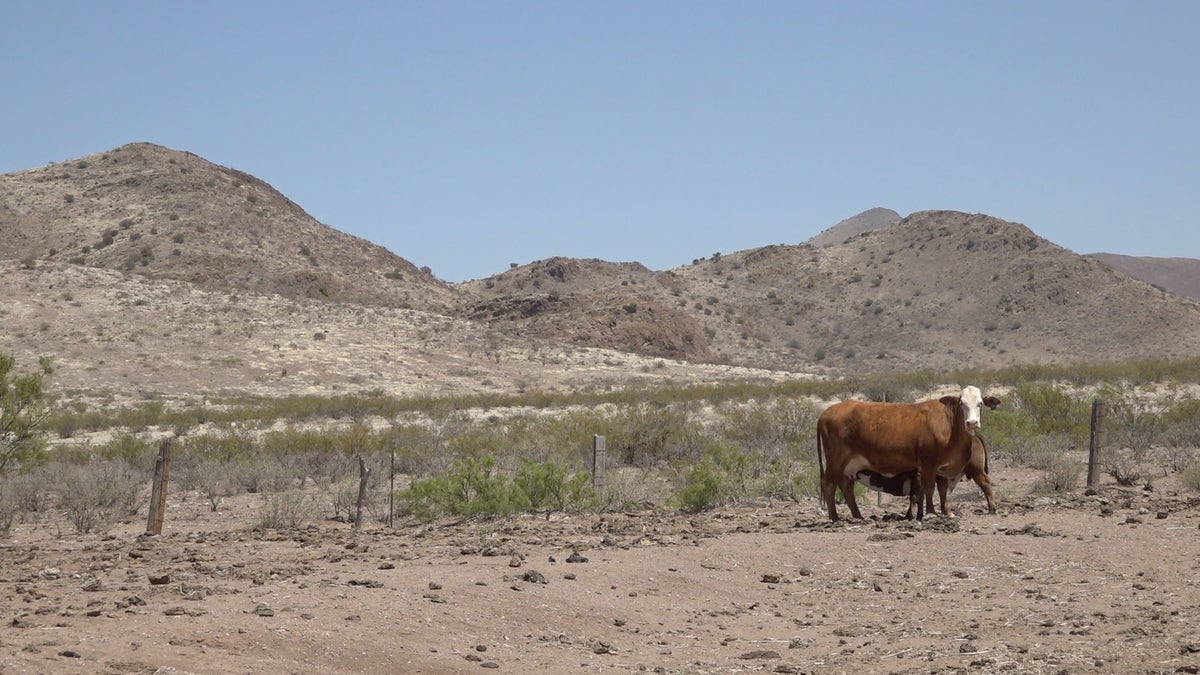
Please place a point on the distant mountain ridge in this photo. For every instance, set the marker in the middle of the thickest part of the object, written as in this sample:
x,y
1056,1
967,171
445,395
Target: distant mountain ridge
x,y
876,293
1178,275
867,221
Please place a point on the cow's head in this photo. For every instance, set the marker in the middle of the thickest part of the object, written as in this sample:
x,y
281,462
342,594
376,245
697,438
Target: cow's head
x,y
972,402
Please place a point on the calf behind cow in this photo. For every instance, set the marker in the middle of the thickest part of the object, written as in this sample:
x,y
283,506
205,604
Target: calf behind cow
x,y
894,439
904,485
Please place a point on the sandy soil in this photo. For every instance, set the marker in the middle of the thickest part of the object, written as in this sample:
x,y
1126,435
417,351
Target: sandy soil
x,y
1101,582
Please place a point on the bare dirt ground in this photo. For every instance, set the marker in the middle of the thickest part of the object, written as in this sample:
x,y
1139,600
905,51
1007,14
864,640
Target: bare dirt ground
x,y
1100,582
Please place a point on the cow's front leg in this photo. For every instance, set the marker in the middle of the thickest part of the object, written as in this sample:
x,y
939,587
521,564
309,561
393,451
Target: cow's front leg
x,y
926,480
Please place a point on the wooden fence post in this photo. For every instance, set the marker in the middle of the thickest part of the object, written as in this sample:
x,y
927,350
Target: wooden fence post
x,y
392,489
599,461
1096,444
158,493
363,473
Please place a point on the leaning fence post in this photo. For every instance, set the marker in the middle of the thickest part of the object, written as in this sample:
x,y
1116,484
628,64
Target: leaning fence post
x,y
598,461
158,493
363,473
1096,444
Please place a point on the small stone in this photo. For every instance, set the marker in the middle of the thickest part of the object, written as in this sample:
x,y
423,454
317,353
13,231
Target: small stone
x,y
760,654
576,558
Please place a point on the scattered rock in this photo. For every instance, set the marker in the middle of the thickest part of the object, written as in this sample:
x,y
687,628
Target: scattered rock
x,y
769,579
159,579
263,610
760,654
602,647
576,558
534,577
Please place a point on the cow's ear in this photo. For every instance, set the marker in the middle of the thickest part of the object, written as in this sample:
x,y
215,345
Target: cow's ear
x,y
950,400
991,402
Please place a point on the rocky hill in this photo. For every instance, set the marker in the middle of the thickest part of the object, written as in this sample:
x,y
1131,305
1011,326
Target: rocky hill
x,y
166,214
938,290
148,271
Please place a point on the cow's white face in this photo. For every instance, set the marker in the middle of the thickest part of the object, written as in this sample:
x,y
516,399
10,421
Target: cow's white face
x,y
972,402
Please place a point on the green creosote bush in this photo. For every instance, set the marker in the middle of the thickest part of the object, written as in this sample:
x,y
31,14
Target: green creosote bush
x,y
23,414
728,474
473,487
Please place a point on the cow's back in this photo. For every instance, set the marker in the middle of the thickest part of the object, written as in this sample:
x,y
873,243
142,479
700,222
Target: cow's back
x,y
885,428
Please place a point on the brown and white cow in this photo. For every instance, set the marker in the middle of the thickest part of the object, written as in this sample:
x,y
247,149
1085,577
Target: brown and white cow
x,y
948,477
892,439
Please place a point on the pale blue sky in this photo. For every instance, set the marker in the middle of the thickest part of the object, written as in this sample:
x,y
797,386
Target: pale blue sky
x,y
470,135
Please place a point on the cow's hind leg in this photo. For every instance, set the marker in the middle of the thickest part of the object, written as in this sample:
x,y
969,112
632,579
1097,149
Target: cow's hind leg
x,y
848,494
829,495
985,484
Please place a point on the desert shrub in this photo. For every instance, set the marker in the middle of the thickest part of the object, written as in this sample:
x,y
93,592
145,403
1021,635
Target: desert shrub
x,y
23,414
9,507
629,488
1122,465
138,453
469,488
727,473
805,483
551,486
28,490
216,481
285,511
1010,434
344,499
1061,474
473,487
99,493
418,449
645,434
777,428
1190,477
1133,421
1053,410
885,389
701,489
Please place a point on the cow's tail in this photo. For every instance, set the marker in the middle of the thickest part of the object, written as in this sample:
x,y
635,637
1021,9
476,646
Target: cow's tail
x,y
986,469
820,455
